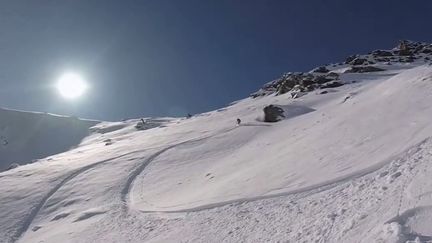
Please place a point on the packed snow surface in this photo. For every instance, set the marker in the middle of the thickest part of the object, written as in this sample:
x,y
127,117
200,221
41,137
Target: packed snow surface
x,y
350,165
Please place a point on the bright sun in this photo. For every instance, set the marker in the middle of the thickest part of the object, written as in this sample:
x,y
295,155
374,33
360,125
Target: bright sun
x,y
71,85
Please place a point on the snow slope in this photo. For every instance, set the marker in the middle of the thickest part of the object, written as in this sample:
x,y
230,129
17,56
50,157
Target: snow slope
x,y
350,165
26,136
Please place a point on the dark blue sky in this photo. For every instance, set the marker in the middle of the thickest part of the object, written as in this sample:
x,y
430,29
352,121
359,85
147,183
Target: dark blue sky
x,y
157,58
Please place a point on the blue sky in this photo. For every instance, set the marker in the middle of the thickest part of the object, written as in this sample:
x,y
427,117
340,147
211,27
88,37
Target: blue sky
x,y
170,58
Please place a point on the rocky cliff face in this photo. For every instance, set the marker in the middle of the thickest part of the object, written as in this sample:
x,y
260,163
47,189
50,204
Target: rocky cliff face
x,y
327,76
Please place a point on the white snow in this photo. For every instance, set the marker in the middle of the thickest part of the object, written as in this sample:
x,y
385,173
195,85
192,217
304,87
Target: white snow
x,y
351,165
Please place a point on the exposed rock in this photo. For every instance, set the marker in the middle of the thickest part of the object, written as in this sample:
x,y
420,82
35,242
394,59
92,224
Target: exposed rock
x,y
334,84
265,90
410,59
350,58
297,83
298,91
404,53
300,83
13,166
323,79
406,59
285,87
140,126
307,82
358,61
289,80
426,50
383,59
365,69
404,48
273,113
382,53
333,75
321,69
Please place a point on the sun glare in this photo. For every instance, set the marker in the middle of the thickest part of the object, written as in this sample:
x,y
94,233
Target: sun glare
x,y
71,85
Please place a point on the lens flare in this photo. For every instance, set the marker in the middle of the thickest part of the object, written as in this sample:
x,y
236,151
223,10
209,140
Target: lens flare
x,y
71,85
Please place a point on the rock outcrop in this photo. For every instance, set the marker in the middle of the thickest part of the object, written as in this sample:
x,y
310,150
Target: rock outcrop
x,y
296,82
299,83
273,113
363,69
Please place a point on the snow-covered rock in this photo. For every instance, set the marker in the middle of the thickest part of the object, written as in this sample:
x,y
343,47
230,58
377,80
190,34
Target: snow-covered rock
x,y
372,62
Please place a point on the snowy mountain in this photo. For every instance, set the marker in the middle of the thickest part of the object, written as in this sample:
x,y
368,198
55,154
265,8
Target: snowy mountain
x,y
350,162
26,136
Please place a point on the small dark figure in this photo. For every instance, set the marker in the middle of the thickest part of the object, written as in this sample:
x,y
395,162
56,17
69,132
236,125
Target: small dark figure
x,y
238,121
143,122
188,115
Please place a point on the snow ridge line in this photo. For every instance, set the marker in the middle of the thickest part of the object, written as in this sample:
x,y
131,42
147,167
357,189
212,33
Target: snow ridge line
x,y
35,211
313,188
130,180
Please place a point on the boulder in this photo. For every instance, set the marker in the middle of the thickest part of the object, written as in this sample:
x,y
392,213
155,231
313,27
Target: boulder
x,y
323,79
333,75
358,61
334,84
285,87
140,126
382,53
365,69
383,59
426,50
321,69
273,113
290,80
404,48
305,82
350,58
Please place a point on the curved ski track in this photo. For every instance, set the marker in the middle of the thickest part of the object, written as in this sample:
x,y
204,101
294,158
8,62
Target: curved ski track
x,y
35,211
311,189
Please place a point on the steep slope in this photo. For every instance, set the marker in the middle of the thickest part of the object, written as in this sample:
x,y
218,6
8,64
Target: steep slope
x,y
338,140
347,165
25,136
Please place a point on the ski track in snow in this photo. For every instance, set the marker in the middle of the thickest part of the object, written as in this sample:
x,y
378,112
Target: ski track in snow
x,y
130,180
124,193
300,193
312,189
35,211
332,225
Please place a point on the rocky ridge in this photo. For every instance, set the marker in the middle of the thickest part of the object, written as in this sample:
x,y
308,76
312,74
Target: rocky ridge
x,y
328,76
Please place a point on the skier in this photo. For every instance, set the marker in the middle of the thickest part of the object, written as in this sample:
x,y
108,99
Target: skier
x,y
238,121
